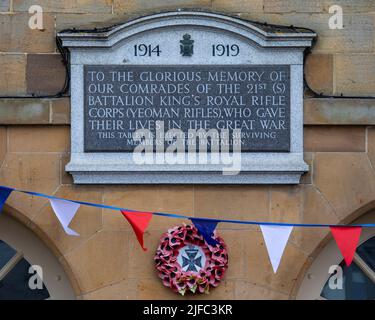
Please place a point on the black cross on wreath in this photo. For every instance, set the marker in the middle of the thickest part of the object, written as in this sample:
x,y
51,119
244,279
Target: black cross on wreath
x,y
192,261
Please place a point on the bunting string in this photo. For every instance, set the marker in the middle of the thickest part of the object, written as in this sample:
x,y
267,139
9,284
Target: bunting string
x,y
180,216
275,234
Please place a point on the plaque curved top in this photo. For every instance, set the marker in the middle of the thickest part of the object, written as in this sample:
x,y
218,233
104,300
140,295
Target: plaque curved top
x,y
264,36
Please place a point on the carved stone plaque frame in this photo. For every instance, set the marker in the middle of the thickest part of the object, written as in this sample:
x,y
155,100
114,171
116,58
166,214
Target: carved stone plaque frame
x,y
258,46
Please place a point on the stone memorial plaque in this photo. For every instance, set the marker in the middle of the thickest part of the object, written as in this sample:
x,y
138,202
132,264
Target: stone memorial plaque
x,y
179,73
121,99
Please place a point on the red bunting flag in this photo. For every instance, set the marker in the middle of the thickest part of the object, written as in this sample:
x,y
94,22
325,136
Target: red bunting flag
x,y
347,240
139,222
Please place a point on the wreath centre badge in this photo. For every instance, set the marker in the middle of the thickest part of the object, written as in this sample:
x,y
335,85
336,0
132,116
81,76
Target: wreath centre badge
x,y
186,263
191,258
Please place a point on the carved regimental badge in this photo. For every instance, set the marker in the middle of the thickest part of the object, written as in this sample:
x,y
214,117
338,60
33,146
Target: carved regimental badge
x,y
186,46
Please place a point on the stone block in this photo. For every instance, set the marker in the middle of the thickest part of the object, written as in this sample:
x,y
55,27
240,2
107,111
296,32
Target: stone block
x,y
319,73
17,36
141,6
356,36
355,74
335,138
33,172
89,20
39,139
329,111
235,242
238,6
246,290
348,6
315,210
285,6
68,6
346,180
123,290
141,263
286,202
24,111
60,111
45,74
13,70
100,261
232,202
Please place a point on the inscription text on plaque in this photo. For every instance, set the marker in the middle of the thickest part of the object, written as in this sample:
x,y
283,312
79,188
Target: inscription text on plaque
x,y
122,99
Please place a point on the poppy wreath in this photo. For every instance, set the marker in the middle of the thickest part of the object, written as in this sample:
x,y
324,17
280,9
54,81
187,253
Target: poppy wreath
x,y
202,267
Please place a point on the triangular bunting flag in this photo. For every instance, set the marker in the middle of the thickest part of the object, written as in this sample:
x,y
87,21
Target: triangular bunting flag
x,y
139,222
276,238
4,194
347,240
206,227
65,212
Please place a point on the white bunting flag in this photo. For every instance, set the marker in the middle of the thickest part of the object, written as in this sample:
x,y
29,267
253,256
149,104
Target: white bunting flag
x,y
65,212
276,238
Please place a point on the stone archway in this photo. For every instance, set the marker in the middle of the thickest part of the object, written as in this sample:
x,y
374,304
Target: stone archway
x,y
315,272
31,244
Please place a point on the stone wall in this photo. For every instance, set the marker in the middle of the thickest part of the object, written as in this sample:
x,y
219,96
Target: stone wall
x,y
106,260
